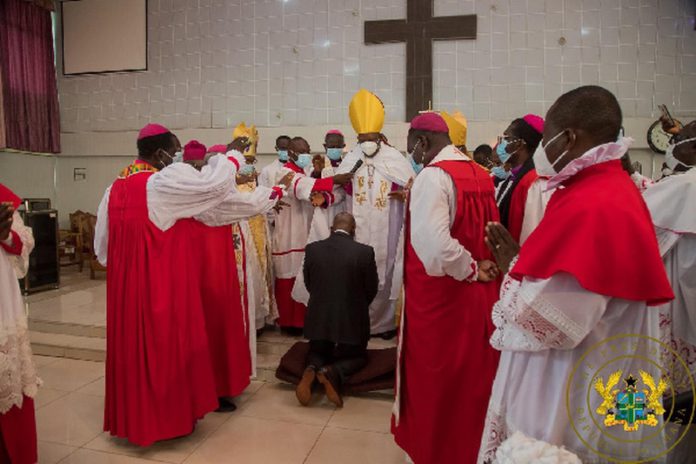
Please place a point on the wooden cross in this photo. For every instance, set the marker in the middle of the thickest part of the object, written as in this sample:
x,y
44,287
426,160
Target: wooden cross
x,y
418,30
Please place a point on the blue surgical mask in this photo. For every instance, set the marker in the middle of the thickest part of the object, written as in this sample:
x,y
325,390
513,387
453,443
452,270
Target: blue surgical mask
x,y
246,170
303,160
283,155
416,166
501,150
500,172
334,154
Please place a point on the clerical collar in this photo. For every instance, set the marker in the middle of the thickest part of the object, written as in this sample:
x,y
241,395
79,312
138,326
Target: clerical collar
x,y
341,231
293,167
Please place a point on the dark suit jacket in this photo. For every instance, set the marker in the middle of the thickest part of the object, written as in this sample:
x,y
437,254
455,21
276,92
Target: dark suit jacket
x,y
341,277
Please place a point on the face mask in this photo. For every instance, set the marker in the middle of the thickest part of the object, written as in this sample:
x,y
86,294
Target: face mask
x,y
418,167
334,154
283,155
501,150
369,148
178,157
303,160
541,161
673,162
246,170
500,172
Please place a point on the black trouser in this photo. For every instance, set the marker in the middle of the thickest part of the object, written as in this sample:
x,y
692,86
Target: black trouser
x,y
345,359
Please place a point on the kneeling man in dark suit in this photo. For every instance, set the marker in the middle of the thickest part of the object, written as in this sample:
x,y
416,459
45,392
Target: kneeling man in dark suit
x,y
341,278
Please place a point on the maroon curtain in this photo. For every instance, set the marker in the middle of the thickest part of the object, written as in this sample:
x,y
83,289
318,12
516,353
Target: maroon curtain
x,y
28,74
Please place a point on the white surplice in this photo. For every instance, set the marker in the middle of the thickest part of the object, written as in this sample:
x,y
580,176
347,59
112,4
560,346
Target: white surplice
x,y
180,191
18,374
292,224
379,221
543,328
535,206
670,202
320,229
269,174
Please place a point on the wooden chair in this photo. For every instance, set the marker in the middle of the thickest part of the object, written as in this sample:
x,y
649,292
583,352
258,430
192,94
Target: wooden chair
x,y
70,244
88,224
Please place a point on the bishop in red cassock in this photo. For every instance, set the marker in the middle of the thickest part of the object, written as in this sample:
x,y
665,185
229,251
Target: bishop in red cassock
x,y
159,374
446,365
226,321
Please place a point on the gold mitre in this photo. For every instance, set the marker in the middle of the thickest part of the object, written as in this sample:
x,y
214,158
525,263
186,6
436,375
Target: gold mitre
x,y
250,132
457,127
366,112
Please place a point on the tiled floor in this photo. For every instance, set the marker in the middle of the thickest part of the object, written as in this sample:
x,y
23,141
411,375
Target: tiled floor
x,y
268,427
79,300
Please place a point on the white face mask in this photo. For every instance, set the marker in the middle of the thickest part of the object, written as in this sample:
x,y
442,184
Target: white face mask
x,y
369,148
541,160
673,162
178,157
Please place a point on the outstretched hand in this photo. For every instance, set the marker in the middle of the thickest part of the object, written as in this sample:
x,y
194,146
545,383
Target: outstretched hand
x,y
241,144
317,199
342,179
502,245
402,194
287,179
280,204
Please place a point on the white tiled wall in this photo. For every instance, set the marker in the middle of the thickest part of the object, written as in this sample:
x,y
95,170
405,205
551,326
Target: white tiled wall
x,y
281,63
642,50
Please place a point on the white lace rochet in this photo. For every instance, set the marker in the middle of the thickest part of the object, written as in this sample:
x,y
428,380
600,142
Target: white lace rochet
x,y
17,372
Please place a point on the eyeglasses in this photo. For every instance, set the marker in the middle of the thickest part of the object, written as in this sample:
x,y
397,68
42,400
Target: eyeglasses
x,y
509,139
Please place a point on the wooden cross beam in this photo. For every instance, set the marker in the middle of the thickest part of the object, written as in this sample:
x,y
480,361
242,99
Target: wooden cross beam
x,y
418,30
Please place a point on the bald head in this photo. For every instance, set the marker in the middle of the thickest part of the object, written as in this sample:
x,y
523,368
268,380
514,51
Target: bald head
x,y
297,146
591,109
345,222
579,121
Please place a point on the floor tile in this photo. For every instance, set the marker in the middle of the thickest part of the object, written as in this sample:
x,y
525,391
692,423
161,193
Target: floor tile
x,y
85,456
47,395
40,361
70,374
251,390
52,453
366,414
95,388
72,420
341,446
278,402
249,440
174,451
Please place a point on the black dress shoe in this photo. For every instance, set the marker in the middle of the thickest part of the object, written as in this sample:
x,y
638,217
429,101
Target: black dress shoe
x,y
225,405
329,380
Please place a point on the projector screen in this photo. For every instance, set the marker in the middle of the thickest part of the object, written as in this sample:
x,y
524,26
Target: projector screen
x,y
104,36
